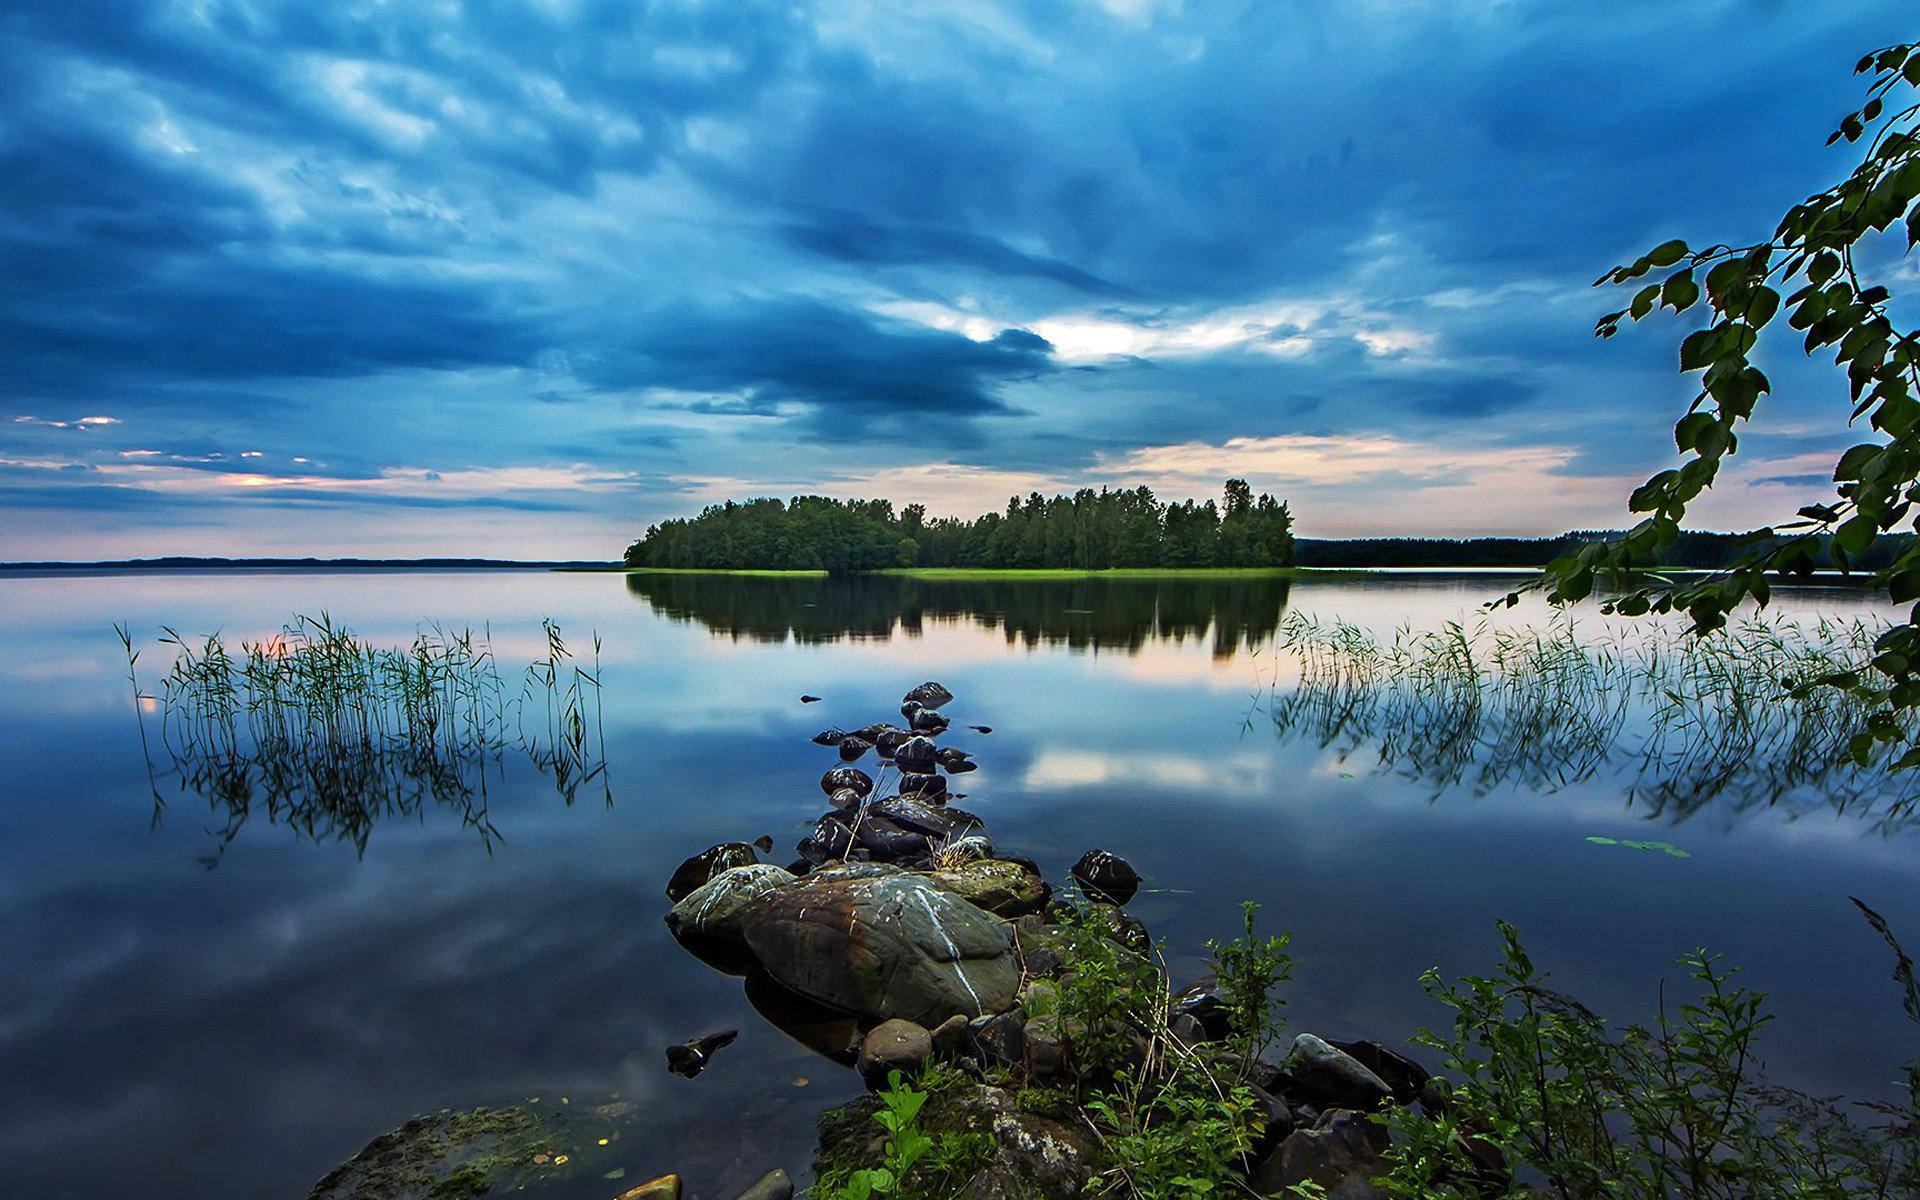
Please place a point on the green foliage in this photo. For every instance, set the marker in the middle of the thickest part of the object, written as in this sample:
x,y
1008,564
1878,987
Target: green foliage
x,y
914,1165
1111,999
1247,970
1085,531
1182,1136
1823,255
1674,1109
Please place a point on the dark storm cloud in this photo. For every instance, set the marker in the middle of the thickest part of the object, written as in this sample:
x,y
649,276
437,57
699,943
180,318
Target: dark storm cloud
x,y
850,366
482,233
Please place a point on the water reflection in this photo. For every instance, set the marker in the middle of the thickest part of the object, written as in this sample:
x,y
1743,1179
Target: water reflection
x,y
1682,723
1238,612
327,735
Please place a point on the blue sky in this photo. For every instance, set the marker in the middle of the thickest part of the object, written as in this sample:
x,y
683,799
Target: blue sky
x,y
517,279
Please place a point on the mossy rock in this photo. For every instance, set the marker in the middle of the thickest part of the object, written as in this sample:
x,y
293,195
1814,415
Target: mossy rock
x,y
524,1148
1014,1153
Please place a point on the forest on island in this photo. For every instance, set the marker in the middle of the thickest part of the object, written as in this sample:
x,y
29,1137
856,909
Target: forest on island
x,y
1088,530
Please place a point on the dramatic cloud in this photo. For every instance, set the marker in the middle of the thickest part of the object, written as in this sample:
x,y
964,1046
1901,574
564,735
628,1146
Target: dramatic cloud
x,y
283,277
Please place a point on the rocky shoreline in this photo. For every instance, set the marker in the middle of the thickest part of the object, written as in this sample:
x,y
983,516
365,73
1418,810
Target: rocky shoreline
x,y
898,943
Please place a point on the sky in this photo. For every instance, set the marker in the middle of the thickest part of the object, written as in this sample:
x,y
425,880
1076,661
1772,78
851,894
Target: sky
x,y
518,279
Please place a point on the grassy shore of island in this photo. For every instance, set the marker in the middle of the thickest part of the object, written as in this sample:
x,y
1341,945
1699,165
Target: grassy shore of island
x,y
1020,574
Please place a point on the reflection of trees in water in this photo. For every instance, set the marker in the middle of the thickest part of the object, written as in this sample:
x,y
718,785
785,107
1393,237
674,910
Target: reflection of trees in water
x,y
327,735
1685,722
1102,614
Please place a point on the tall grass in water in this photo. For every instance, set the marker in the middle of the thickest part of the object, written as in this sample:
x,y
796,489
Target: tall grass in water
x,y
327,734
1688,721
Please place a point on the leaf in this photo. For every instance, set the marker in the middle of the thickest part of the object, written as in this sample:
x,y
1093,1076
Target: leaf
x,y
1667,253
1903,970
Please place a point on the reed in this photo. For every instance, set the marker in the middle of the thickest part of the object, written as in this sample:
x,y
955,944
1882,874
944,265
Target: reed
x,y
326,733
1687,721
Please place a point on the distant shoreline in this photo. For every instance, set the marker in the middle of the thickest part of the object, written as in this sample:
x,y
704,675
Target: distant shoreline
x,y
184,563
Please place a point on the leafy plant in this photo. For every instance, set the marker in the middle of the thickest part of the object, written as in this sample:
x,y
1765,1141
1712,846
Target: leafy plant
x,y
1248,969
1830,246
1672,1109
914,1164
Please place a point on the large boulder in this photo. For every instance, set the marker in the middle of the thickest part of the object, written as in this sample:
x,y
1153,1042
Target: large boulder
x,y
696,871
716,909
1003,888
885,946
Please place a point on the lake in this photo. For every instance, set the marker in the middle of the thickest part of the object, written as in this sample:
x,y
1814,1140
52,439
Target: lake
x,y
201,1007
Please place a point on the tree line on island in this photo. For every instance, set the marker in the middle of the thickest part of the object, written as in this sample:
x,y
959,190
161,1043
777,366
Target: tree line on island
x,y
1088,531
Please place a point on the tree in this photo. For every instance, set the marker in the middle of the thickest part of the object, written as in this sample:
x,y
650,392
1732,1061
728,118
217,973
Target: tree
x,y
1828,255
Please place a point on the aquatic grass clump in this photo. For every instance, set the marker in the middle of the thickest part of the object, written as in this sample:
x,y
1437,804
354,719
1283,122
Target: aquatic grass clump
x,y
1689,720
327,733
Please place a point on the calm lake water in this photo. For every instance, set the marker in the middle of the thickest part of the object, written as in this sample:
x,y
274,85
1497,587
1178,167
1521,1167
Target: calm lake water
x,y
171,1030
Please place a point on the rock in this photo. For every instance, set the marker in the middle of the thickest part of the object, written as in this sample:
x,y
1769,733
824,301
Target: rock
x,y
774,1185
1029,1157
852,747
763,843
696,871
1332,1078
687,1059
930,788
1406,1077
891,842
943,824
1343,1153
888,741
888,946
972,846
809,699
846,799
831,839
847,777
667,1187
950,1039
946,756
1039,998
1119,926
893,1045
1278,1122
929,722
915,756
1202,1002
1046,1048
854,870
981,728
1106,876
829,737
872,732
1186,1030
961,767
715,909
1003,888
999,1040
928,695
452,1155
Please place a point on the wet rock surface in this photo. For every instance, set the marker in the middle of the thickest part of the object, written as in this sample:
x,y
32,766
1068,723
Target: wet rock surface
x,y
716,908
687,1059
1342,1154
1331,1077
891,946
1003,888
703,866
1107,877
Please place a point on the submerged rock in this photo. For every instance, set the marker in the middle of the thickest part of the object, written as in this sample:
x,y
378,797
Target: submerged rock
x,y
928,695
687,1059
666,1187
774,1185
715,909
809,699
887,946
696,871
981,728
1103,875
852,778
830,1032
484,1152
